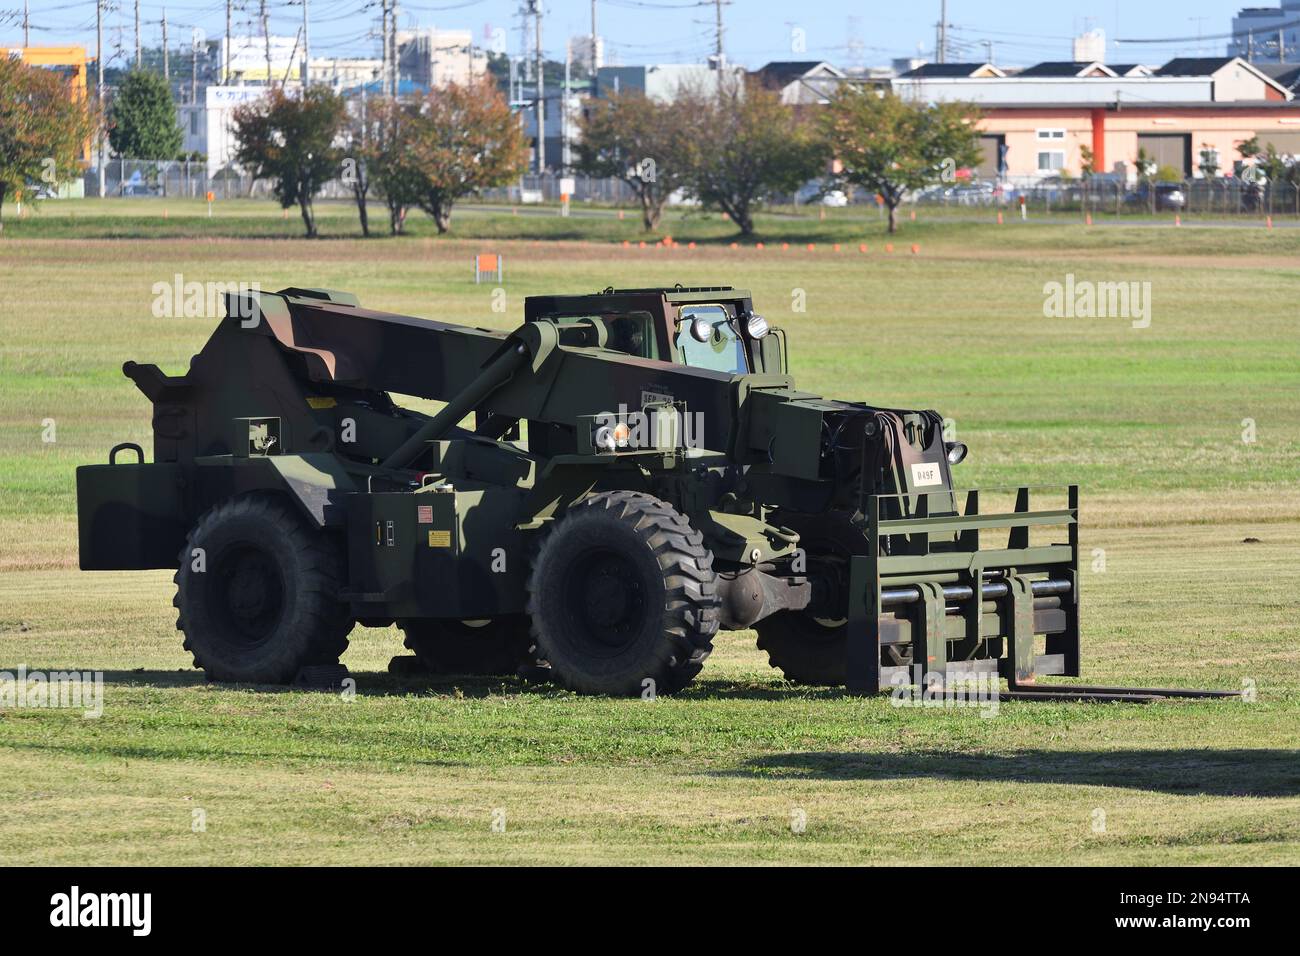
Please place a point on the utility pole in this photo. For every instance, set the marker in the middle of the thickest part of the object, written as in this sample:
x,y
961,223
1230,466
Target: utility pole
x,y
167,74
27,26
225,56
564,115
266,35
137,34
988,52
396,60
943,31
535,7
720,57
99,86
383,48
594,64
306,48
194,68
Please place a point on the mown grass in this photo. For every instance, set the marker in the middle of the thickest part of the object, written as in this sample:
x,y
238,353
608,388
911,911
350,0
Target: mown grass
x,y
1149,421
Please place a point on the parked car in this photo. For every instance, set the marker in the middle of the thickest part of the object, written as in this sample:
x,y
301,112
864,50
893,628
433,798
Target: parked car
x,y
974,194
819,191
1167,196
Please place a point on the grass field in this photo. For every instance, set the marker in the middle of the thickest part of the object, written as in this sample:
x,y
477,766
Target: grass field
x,y
1150,421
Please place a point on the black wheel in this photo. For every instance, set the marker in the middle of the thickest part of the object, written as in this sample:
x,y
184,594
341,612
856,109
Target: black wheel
x,y
260,599
480,648
623,592
808,646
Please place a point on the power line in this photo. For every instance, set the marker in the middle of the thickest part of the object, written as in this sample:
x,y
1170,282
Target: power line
x,y
1235,35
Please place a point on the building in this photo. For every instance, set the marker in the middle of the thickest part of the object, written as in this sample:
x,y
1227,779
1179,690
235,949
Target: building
x,y
1069,68
952,71
563,109
341,73
216,138
906,64
1090,47
254,59
1040,122
428,58
584,56
1267,34
663,81
800,82
1286,74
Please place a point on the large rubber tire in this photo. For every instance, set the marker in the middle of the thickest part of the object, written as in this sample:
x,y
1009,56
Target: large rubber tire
x,y
266,603
807,648
623,592
474,648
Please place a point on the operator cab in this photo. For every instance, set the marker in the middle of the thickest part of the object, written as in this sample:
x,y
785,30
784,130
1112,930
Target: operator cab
x,y
712,328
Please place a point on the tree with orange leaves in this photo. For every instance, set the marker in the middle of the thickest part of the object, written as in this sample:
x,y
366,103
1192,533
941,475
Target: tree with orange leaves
x,y
42,129
459,140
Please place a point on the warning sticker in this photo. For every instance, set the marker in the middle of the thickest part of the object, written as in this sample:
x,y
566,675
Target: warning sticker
x,y
424,514
440,539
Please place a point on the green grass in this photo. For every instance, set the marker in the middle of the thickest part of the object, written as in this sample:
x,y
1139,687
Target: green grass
x,y
1149,421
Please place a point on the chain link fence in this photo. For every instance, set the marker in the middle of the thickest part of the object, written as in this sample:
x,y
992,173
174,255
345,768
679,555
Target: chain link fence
x,y
1101,195
128,178
1220,196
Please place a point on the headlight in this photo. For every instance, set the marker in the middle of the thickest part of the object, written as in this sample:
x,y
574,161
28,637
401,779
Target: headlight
x,y
610,438
701,330
756,326
956,452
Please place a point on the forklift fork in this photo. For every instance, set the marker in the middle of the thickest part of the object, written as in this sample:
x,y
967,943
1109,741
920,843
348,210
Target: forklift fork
x,y
925,581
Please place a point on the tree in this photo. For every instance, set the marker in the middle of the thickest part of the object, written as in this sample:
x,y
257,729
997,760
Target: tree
x,y
143,119
389,163
1087,162
1270,170
356,165
1209,161
745,146
291,141
1147,168
458,140
42,130
889,145
639,140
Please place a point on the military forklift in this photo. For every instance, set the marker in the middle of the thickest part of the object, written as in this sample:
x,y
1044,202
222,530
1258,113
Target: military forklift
x,y
603,489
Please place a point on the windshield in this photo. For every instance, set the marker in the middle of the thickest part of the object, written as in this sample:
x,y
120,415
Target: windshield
x,y
723,352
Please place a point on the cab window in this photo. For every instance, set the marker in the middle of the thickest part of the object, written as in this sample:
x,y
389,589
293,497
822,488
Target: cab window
x,y
722,351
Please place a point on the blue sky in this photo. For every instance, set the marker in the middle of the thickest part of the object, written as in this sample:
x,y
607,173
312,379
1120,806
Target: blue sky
x,y
869,32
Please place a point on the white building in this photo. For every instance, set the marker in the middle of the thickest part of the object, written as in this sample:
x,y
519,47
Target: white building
x,y
663,81
1091,47
219,141
342,73
246,59
429,58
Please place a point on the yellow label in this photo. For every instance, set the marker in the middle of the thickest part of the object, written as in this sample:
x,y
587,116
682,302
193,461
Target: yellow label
x,y
440,539
321,401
